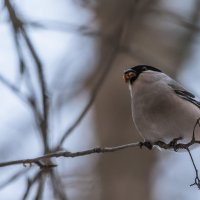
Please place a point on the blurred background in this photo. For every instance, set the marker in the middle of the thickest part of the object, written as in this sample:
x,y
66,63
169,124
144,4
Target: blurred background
x,y
61,87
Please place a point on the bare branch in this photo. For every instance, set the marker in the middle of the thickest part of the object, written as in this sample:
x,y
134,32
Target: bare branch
x,y
90,102
18,26
64,26
14,89
45,103
30,183
40,189
177,18
28,101
197,180
57,186
13,177
116,45
39,160
171,145
68,154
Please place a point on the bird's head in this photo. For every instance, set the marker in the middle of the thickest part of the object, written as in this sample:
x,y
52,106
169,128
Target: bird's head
x,y
131,74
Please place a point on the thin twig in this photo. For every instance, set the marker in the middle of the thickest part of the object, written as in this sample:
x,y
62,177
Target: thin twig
x,y
89,103
45,102
13,177
30,183
14,89
39,160
16,25
40,189
65,26
28,101
108,66
68,154
175,17
197,180
19,27
57,186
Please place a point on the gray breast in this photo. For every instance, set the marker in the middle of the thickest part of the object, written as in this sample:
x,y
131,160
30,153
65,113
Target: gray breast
x,y
159,114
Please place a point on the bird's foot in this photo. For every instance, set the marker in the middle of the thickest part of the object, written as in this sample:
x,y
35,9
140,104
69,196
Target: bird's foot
x,y
173,144
161,144
147,144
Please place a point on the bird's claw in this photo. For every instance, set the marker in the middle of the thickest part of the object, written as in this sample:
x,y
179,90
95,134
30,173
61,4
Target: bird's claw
x,y
174,143
147,144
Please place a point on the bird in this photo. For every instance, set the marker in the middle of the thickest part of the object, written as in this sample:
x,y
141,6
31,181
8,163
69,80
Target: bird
x,y
162,109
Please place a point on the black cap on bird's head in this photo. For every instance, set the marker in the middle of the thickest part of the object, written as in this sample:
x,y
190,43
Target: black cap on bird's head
x,y
131,74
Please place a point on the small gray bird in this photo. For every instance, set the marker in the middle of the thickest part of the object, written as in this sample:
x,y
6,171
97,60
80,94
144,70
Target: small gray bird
x,y
162,109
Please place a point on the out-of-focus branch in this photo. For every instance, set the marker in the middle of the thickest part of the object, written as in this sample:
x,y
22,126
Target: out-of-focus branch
x,y
13,177
40,188
14,89
18,26
91,100
177,18
115,43
30,183
192,26
28,101
45,102
64,26
57,186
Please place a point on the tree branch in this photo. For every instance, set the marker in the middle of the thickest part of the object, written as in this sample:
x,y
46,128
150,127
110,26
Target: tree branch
x,y
38,160
27,100
116,45
18,27
58,187
30,183
13,178
14,89
90,102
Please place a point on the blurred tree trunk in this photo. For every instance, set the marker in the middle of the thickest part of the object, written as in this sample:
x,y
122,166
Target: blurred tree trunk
x,y
138,33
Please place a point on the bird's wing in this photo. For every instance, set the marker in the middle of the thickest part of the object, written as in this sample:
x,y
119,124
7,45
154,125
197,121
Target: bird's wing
x,y
184,94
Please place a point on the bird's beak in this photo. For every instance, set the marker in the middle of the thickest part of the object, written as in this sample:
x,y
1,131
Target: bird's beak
x,y
129,74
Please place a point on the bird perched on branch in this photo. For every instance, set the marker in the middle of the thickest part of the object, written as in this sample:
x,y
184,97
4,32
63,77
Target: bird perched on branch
x,y
162,109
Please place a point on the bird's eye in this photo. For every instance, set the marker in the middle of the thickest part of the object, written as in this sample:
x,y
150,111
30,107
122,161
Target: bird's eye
x,y
144,68
129,75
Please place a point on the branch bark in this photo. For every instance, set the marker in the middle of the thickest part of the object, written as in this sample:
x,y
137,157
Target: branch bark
x,y
38,160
